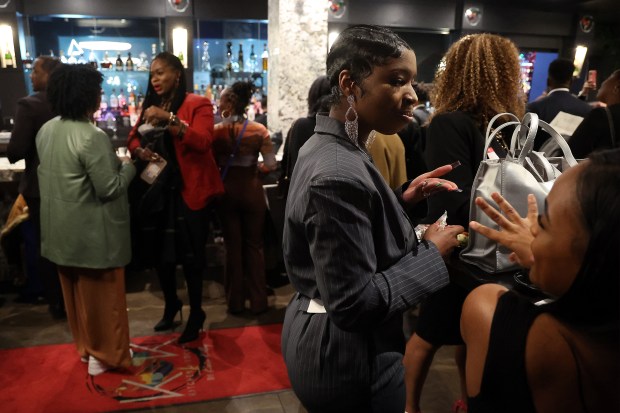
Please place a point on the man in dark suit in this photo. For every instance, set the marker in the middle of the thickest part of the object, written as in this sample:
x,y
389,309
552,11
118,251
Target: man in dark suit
x,y
31,113
558,98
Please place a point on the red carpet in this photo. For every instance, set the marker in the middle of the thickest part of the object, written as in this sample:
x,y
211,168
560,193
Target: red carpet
x,y
228,362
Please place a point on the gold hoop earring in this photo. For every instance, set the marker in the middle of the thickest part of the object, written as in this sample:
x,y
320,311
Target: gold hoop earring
x,y
226,114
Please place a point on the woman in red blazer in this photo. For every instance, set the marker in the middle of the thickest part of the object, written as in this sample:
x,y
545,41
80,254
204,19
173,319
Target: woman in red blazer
x,y
174,135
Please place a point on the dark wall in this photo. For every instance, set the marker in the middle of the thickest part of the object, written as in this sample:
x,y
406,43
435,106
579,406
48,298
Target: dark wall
x,y
234,10
13,87
429,49
506,20
421,14
112,8
203,9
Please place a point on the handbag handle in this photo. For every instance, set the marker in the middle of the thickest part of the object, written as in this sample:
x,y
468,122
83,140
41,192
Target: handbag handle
x,y
491,135
528,146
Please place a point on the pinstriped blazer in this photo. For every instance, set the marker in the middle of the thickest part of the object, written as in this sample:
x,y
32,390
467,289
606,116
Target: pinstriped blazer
x,y
348,241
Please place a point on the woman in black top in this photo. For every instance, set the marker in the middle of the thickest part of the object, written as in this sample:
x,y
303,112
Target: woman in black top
x,y
562,356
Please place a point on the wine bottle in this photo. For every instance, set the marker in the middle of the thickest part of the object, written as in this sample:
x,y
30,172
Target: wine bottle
x,y
8,59
119,63
252,59
129,62
265,58
229,57
240,58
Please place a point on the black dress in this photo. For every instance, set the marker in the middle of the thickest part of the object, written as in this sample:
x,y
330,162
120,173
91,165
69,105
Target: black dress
x,y
504,386
451,137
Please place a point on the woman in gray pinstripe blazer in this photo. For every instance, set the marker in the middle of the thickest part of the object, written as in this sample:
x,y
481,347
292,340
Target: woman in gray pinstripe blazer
x,y
349,244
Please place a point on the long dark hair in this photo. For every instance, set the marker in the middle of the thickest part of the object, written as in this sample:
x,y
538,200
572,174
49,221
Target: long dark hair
x,y
74,91
358,49
152,98
592,301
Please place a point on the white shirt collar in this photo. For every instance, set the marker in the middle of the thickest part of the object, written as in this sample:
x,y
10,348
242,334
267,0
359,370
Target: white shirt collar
x,y
560,89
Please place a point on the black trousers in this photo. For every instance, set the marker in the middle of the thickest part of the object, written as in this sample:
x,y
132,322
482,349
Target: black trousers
x,y
47,270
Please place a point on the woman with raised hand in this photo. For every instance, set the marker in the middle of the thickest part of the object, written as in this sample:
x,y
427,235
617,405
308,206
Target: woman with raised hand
x,y
170,215
349,245
563,356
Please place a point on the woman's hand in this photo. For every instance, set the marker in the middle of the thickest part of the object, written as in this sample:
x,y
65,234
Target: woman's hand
x,y
444,239
156,115
429,184
146,154
516,232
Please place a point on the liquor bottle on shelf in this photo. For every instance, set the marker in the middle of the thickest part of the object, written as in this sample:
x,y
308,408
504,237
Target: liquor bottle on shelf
x,y
252,59
229,57
153,51
103,105
106,63
240,58
143,66
206,59
209,92
113,100
61,56
8,59
122,101
129,63
27,61
119,63
265,58
182,58
139,101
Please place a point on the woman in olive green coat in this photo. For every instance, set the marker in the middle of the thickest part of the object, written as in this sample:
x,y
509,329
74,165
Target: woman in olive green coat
x,y
85,217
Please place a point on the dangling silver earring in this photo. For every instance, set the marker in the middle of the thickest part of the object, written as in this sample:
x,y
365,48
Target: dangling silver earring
x,y
350,126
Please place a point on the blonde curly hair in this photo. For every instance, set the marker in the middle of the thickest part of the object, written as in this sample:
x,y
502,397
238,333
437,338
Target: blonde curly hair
x,y
482,77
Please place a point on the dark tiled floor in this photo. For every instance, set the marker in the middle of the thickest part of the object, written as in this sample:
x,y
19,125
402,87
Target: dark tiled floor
x,y
23,325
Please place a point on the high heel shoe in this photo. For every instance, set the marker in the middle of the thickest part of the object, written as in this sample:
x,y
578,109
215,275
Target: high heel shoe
x,y
195,324
170,312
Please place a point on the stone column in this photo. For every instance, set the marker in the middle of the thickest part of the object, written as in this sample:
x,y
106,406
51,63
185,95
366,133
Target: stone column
x,y
297,52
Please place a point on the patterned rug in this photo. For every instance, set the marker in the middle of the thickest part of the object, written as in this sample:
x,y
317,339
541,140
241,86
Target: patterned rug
x,y
223,363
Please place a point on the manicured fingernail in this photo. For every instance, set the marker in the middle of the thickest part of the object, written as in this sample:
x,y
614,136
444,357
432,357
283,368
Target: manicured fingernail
x,y
438,184
455,164
457,190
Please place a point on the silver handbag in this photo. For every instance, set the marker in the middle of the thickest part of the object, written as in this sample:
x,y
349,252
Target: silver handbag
x,y
522,172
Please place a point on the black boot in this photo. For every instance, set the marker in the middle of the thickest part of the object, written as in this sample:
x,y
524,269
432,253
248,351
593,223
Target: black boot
x,y
195,324
170,312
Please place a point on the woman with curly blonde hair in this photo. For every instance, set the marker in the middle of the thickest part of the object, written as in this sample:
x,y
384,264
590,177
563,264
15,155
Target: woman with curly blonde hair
x,y
480,78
